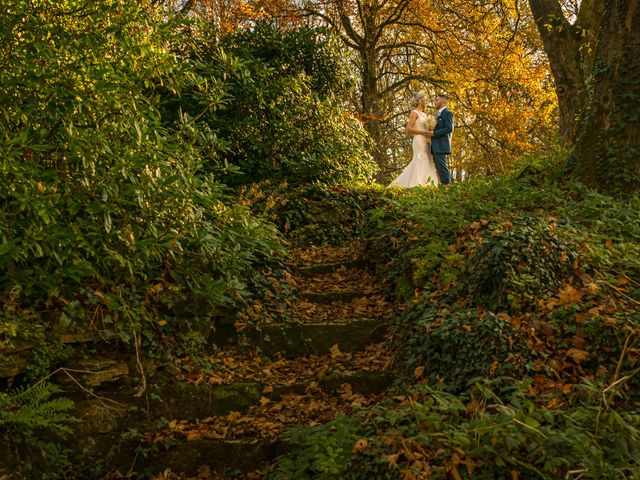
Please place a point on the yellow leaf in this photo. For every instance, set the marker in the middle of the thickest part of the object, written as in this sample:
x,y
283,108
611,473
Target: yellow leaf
x,y
335,351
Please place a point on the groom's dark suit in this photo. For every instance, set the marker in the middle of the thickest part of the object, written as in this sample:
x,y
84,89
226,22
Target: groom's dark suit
x,y
441,143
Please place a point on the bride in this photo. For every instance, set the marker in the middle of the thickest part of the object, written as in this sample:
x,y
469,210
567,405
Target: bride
x,y
422,169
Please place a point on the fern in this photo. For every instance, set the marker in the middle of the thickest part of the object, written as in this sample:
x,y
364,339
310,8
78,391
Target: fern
x,y
25,414
32,408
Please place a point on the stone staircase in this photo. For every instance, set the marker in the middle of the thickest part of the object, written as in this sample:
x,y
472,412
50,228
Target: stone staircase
x,y
325,357
329,360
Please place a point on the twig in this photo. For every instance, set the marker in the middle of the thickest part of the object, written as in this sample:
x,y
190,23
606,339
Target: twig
x,y
616,380
143,387
619,291
100,398
529,427
627,340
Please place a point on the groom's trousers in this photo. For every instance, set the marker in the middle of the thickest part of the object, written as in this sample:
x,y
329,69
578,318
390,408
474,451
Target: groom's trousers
x,y
440,159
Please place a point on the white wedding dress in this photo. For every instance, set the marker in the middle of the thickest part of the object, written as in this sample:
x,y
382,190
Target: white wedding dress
x,y
422,169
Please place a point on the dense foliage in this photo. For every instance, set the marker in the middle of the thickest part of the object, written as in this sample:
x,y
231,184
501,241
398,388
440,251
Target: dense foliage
x,y
107,216
123,133
278,110
432,434
316,213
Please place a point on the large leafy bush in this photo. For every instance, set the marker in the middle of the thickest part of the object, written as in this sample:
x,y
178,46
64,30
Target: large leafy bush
x,y
281,114
105,212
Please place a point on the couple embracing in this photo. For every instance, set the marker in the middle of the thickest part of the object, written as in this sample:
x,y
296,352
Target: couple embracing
x,y
431,144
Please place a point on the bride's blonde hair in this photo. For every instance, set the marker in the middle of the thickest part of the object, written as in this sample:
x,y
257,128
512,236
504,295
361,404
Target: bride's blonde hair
x,y
415,101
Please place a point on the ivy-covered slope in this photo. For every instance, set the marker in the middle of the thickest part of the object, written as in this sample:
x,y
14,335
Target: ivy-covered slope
x,y
517,333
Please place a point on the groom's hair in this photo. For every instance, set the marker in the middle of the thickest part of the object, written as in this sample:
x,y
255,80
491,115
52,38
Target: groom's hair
x,y
442,95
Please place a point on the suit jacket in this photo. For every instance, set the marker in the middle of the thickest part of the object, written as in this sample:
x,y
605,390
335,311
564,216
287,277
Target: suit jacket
x,y
441,140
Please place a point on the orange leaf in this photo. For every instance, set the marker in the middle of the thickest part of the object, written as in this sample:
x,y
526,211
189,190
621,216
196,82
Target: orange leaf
x,y
361,445
581,318
569,295
393,459
454,473
577,356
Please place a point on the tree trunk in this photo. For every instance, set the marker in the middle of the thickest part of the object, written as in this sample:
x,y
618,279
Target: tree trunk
x,y
607,153
562,43
371,103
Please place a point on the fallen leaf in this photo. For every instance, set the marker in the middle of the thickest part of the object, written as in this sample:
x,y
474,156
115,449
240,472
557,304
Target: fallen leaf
x,y
393,459
569,295
361,445
577,355
581,317
335,351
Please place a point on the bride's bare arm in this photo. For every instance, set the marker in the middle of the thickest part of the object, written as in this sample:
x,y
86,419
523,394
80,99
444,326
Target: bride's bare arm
x,y
411,125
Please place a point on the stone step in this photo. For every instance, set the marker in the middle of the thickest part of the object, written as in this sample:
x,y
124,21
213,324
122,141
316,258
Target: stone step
x,y
330,297
183,401
240,456
106,421
330,267
101,424
292,340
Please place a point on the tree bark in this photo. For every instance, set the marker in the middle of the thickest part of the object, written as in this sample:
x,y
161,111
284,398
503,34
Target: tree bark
x,y
569,49
370,99
607,152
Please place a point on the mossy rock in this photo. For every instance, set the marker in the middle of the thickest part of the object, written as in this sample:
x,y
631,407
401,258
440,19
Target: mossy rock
x,y
292,340
187,400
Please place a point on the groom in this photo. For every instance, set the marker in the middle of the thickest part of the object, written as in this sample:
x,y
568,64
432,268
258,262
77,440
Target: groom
x,y
441,138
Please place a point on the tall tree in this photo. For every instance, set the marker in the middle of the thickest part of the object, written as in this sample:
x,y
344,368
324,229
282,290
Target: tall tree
x,y
481,54
595,61
569,47
375,30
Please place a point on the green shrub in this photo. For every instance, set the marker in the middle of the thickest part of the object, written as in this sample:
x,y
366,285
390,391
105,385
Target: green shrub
x,y
106,214
517,261
432,434
456,347
314,213
279,114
